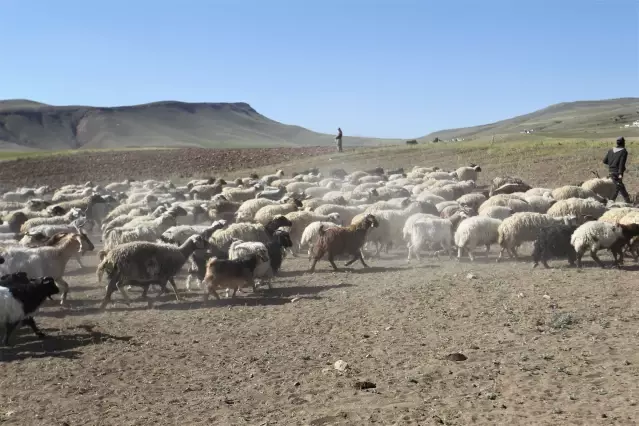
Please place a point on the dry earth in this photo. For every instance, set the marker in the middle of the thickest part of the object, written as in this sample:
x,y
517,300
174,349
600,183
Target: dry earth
x,y
543,347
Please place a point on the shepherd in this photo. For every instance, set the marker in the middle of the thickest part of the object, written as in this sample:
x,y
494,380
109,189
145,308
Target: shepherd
x,y
338,139
615,159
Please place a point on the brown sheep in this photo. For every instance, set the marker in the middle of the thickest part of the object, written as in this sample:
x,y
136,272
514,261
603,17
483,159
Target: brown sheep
x,y
343,240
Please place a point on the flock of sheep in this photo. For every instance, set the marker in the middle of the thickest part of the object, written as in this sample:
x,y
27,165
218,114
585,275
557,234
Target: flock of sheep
x,y
236,234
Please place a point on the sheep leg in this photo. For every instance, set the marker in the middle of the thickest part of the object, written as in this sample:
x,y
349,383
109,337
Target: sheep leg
x,y
580,254
31,323
471,256
487,249
125,294
110,288
65,289
174,288
501,254
77,258
9,328
594,256
331,260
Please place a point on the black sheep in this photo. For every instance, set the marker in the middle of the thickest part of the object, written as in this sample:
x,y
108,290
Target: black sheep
x,y
554,241
281,241
20,297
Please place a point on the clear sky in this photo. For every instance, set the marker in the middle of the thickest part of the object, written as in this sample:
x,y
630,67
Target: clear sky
x,y
392,68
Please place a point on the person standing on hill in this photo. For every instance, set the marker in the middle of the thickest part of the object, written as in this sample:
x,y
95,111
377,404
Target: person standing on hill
x,y
615,159
338,139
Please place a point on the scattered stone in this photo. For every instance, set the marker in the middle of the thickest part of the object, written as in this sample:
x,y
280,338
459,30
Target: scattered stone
x,y
296,384
545,296
456,357
471,276
366,336
388,328
413,380
295,299
474,347
364,385
626,362
604,416
491,396
340,365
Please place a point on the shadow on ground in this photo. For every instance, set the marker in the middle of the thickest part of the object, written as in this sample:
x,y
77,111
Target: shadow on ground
x,y
62,345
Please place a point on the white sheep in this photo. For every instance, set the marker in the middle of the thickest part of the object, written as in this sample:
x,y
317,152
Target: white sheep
x,y
468,172
579,207
572,191
497,212
594,235
476,231
246,211
239,249
525,226
46,260
65,219
604,187
301,219
150,231
311,234
431,231
616,214
267,213
180,233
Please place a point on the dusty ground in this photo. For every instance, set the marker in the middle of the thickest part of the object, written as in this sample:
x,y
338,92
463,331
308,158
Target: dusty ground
x,y
543,347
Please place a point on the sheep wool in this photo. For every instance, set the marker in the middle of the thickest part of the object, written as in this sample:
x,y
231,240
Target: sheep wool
x,y
476,231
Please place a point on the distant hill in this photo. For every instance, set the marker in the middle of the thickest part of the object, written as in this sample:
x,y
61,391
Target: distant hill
x,y
26,124
569,119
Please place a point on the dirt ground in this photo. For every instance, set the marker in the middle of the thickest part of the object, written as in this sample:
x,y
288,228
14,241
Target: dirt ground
x,y
544,347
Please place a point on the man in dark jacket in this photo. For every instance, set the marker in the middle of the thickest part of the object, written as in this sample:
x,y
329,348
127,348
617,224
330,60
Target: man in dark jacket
x,y
615,159
338,139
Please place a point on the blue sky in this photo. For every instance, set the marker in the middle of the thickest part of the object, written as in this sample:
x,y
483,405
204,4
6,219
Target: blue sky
x,y
393,68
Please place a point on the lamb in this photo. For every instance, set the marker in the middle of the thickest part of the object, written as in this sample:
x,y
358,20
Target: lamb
x,y
595,235
235,273
476,231
20,299
343,240
525,226
240,249
179,234
467,173
143,263
301,219
430,230
46,260
578,207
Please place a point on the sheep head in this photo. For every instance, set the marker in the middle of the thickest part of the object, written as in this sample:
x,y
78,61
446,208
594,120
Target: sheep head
x,y
370,221
283,238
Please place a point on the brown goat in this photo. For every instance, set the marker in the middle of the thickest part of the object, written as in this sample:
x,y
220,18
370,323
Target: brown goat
x,y
343,240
